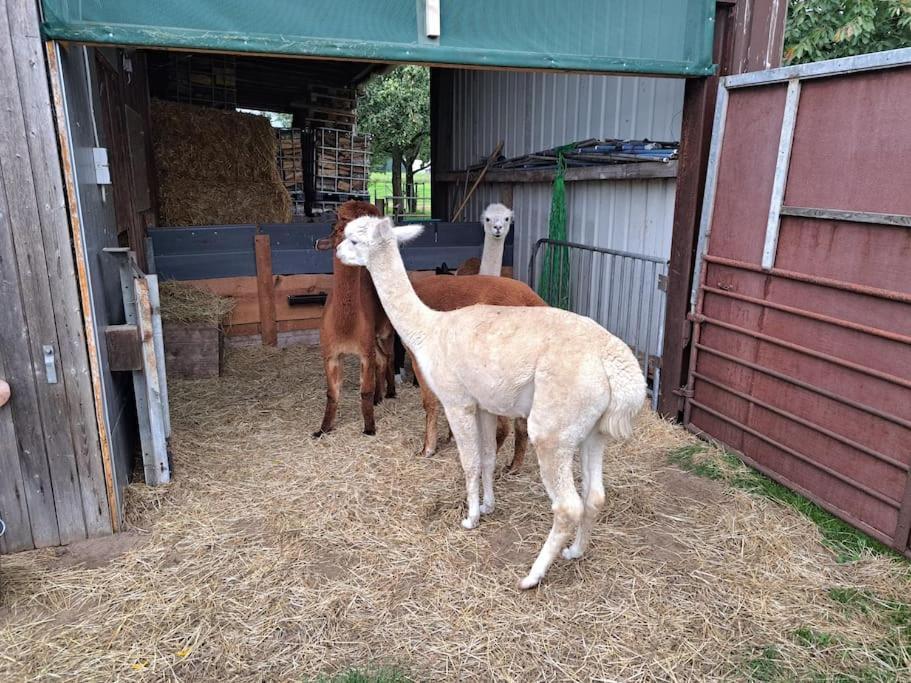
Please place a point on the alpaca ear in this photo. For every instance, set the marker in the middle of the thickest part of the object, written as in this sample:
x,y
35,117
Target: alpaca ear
x,y
406,233
381,227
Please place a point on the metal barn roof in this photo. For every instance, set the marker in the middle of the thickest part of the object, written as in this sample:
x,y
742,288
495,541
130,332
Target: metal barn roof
x,y
672,37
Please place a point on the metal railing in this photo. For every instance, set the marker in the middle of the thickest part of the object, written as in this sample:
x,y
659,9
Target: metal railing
x,y
622,291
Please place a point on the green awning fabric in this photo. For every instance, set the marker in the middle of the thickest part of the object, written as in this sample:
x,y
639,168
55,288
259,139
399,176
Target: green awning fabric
x,y
672,37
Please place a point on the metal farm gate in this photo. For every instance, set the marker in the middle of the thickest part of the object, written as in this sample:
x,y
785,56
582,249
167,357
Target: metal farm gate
x,y
801,347
622,291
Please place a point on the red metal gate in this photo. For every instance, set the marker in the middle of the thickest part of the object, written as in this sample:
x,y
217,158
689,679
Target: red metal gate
x,y
801,353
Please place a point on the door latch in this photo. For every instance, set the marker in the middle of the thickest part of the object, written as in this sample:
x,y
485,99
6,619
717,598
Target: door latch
x,y
50,365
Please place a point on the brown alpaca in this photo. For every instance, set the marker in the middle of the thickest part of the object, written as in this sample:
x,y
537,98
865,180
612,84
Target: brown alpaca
x,y
354,323
472,266
446,293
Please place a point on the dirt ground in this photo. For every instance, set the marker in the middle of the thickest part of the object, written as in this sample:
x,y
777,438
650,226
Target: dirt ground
x,y
276,557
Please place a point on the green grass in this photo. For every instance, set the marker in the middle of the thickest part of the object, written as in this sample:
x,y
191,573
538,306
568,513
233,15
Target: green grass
x,y
380,186
890,655
765,665
845,541
368,676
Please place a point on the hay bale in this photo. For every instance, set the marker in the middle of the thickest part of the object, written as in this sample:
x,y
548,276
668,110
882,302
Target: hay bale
x,y
216,167
187,305
192,201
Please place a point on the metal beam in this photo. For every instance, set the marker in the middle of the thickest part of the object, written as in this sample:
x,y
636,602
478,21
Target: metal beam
x,y
831,67
780,181
891,219
711,183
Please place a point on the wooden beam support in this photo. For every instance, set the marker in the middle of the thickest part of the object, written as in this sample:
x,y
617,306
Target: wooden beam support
x,y
124,349
606,172
265,290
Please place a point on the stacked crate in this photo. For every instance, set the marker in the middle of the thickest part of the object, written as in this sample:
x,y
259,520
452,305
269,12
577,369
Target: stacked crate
x,y
341,167
202,79
291,145
331,107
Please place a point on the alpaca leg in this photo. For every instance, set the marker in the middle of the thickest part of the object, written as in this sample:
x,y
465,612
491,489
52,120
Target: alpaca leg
x,y
502,431
464,424
487,428
368,388
592,492
431,409
379,379
557,474
386,350
333,389
521,446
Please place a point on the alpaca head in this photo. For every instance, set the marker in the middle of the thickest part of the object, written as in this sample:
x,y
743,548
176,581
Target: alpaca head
x,y
347,212
497,220
367,236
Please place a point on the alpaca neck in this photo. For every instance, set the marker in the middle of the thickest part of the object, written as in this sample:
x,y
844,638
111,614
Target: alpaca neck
x,y
492,258
411,318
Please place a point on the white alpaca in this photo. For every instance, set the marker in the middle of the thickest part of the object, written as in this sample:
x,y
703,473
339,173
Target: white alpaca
x,y
577,385
497,220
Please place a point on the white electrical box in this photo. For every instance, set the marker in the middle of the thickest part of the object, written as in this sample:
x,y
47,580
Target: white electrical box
x,y
102,170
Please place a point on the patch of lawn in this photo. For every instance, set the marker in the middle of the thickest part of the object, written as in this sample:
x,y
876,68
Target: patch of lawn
x,y
368,676
845,541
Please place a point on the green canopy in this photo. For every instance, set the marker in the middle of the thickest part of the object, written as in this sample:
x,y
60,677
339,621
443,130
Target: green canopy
x,y
671,37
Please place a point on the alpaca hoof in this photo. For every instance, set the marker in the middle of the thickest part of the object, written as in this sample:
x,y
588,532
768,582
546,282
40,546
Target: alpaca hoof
x,y
573,552
319,432
425,453
469,523
377,400
391,394
487,509
529,582
370,432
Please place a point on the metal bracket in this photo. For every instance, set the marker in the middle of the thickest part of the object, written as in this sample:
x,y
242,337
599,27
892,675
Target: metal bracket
x,y
50,365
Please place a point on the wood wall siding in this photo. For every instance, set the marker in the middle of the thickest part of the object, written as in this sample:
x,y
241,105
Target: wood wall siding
x,y
52,480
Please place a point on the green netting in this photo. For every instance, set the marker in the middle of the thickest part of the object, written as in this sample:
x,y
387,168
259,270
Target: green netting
x,y
554,284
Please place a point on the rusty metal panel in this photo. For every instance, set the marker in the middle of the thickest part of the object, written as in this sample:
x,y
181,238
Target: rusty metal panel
x,y
804,366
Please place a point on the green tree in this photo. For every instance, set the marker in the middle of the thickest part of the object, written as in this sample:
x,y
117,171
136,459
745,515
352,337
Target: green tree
x,y
395,110
827,29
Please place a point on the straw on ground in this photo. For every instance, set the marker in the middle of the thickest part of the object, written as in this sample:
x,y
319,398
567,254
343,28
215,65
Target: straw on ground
x,y
276,557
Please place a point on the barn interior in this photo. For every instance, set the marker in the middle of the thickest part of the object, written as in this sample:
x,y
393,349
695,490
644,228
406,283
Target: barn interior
x,y
200,191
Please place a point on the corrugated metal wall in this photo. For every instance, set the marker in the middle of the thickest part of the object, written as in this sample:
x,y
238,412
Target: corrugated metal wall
x,y
535,111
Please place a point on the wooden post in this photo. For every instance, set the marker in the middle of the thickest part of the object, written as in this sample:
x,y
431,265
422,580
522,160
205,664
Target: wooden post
x,y
157,467
265,289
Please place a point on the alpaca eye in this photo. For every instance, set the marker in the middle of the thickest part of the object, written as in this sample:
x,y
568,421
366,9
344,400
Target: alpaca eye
x,y
486,219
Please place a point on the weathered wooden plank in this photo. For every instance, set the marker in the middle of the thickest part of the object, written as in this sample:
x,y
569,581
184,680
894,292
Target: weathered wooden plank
x,y
64,148
37,302
13,506
265,288
157,467
615,172
46,173
30,452
194,351
123,347
158,341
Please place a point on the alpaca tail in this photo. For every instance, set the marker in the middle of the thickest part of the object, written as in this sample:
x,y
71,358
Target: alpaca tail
x,y
627,394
